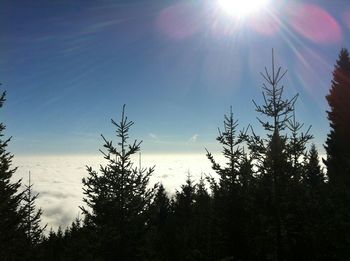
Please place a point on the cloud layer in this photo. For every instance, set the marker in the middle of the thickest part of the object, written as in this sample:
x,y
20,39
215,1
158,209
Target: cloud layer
x,y
57,179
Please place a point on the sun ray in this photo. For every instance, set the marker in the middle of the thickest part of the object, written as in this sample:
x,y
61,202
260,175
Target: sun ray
x,y
242,8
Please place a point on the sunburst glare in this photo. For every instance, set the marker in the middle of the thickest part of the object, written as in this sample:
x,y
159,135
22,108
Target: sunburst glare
x,y
242,8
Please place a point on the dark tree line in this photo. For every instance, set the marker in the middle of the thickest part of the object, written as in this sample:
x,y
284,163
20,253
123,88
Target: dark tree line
x,y
271,200
20,231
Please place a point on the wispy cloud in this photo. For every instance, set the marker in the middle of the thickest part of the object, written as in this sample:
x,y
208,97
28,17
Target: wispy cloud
x,y
194,138
153,136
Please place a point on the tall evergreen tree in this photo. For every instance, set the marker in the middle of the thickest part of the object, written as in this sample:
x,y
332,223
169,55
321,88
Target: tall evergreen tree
x,y
313,173
32,225
118,199
277,162
11,212
183,230
338,140
232,151
159,235
296,147
229,202
338,158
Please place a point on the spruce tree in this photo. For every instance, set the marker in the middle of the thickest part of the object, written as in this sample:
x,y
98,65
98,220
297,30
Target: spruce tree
x,y
276,158
118,199
202,222
182,223
338,140
159,235
32,225
11,212
231,150
296,147
313,173
338,157
228,202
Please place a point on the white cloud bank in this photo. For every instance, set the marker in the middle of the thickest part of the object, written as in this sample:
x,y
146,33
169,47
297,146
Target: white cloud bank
x,y
58,179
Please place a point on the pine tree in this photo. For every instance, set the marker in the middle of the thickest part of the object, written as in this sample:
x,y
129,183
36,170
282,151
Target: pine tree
x,y
76,239
338,157
275,158
161,206
182,223
313,173
296,147
11,212
118,199
32,226
202,222
228,202
159,235
229,175
338,140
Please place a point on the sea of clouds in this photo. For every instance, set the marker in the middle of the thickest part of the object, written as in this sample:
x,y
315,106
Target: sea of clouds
x,y
58,179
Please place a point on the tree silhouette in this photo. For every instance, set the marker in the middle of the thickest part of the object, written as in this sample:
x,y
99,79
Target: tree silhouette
x,y
229,197
11,212
119,199
314,175
338,158
277,167
232,151
32,226
160,242
338,140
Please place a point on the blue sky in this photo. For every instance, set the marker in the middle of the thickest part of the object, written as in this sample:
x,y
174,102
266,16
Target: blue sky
x,y
69,66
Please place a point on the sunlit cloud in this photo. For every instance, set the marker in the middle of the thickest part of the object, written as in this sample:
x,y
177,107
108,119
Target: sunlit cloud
x,y
315,24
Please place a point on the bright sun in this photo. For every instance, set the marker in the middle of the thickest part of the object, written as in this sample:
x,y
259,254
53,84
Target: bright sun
x,y
242,8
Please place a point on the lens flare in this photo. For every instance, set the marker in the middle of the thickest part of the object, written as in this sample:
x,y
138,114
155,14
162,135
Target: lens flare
x,y
242,8
315,24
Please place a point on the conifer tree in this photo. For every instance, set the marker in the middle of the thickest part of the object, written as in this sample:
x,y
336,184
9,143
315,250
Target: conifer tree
x,y
313,174
296,147
118,199
161,206
274,168
338,157
32,226
203,222
228,202
182,224
338,140
11,212
228,138
161,216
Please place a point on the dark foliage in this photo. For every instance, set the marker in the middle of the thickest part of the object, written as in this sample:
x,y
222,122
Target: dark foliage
x,y
12,236
338,155
118,200
338,140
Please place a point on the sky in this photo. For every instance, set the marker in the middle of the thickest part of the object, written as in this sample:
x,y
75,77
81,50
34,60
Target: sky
x,y
69,66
